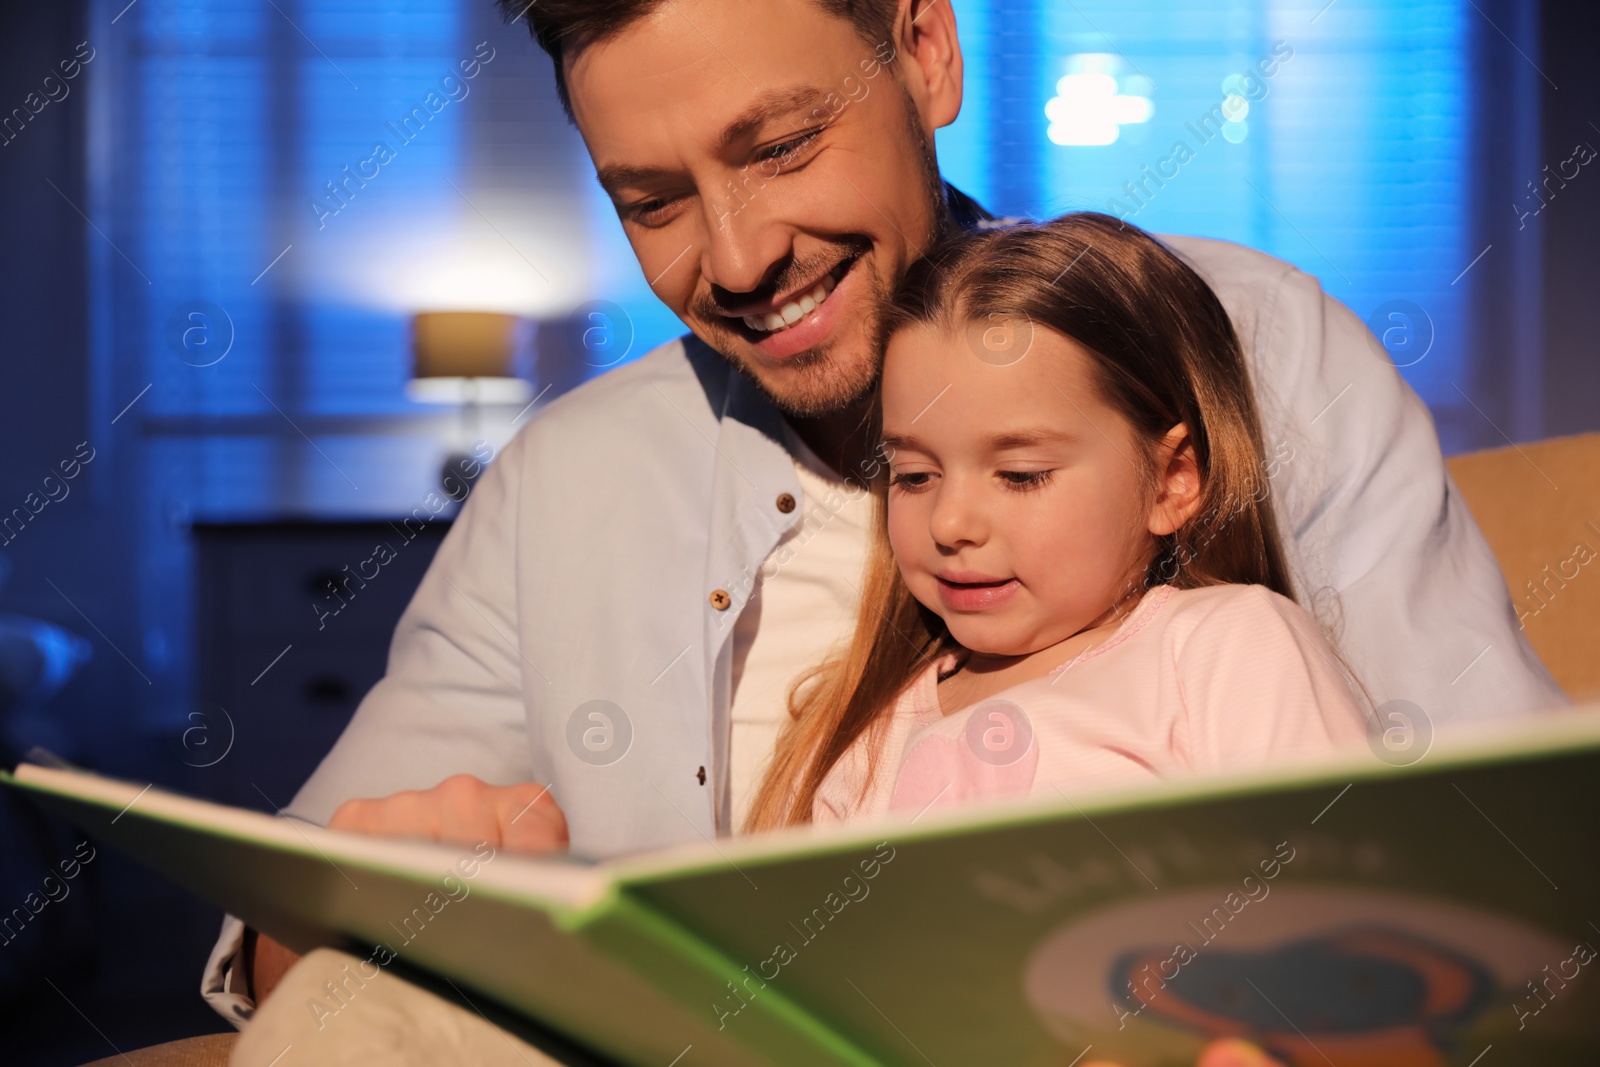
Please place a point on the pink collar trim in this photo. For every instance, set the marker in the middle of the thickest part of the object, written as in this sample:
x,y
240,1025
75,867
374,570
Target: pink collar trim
x,y
1151,603
925,694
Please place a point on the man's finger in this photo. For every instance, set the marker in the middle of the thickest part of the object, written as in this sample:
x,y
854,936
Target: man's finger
x,y
532,821
463,810
464,807
1229,1053
1235,1053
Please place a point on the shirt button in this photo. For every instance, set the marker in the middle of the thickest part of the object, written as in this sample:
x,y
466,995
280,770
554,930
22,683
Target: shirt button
x,y
720,599
785,503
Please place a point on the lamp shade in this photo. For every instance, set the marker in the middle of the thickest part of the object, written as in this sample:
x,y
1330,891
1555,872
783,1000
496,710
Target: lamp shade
x,y
463,344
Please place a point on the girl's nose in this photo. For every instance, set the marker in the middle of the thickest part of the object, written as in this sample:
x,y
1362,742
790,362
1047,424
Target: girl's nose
x,y
957,518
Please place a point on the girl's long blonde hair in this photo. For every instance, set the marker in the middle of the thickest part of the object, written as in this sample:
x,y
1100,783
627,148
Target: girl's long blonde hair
x,y
1164,353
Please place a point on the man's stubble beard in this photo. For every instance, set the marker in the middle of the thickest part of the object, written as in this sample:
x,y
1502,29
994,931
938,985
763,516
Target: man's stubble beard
x,y
836,386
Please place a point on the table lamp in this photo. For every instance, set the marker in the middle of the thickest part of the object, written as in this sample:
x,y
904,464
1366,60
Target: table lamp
x,y
466,358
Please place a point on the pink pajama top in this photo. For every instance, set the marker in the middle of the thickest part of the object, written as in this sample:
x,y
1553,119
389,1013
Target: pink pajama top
x,y
1194,680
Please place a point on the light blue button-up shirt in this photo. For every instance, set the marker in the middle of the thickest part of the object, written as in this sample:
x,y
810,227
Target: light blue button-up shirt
x,y
575,627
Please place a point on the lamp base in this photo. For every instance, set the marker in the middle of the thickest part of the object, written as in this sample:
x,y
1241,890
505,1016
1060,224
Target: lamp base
x,y
459,474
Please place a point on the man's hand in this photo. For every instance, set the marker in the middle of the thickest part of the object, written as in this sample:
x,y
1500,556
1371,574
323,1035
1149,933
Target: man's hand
x,y
1229,1053
461,810
1235,1053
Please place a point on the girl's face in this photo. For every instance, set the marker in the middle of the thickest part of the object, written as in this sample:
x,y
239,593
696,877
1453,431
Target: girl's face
x,y
1021,507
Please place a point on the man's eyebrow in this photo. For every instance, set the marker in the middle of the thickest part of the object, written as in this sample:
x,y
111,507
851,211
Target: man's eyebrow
x,y
615,176
768,105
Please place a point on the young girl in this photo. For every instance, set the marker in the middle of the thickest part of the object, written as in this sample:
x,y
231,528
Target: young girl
x,y
1077,582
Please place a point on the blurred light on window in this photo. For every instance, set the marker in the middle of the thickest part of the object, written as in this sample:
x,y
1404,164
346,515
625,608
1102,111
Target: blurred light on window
x,y
1235,106
1090,106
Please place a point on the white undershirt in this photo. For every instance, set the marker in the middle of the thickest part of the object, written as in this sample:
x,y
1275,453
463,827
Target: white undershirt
x,y
802,607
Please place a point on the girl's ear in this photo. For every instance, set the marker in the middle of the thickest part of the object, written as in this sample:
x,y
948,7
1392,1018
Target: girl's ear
x,y
1178,488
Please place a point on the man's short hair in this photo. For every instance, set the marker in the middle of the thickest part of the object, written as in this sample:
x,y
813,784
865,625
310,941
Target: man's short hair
x,y
561,26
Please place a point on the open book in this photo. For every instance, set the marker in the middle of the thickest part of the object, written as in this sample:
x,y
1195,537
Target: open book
x,y
1345,913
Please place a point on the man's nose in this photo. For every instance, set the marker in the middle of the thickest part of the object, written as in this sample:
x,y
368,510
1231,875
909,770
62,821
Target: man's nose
x,y
743,242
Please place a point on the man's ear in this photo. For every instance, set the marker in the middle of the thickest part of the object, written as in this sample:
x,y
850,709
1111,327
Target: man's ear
x,y
1178,483
930,58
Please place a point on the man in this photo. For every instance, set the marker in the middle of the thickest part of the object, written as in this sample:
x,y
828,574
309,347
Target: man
x,y
662,552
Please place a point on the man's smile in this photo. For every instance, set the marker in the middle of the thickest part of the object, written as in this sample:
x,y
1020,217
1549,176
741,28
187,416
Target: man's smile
x,y
799,320
779,313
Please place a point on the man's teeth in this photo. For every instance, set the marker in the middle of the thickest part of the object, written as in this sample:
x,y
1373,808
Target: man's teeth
x,y
793,311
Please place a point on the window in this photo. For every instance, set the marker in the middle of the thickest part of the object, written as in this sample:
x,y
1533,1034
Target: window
x,y
1336,139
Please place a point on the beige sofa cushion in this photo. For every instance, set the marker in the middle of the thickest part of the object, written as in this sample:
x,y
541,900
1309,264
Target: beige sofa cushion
x,y
1539,506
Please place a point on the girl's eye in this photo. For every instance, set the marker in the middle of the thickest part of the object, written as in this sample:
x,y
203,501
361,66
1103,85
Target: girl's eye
x,y
912,480
1025,480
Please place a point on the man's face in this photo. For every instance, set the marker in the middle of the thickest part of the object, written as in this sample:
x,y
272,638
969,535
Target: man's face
x,y
774,178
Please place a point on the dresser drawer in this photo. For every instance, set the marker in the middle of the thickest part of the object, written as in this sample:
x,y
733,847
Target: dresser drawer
x,y
283,659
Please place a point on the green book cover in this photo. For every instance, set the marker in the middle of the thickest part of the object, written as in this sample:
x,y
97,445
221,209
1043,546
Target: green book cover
x,y
1347,912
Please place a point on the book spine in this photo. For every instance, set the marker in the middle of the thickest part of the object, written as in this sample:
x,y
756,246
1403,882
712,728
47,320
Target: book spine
x,y
698,976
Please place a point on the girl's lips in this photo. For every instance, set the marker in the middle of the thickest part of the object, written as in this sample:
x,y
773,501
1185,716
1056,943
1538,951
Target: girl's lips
x,y
976,596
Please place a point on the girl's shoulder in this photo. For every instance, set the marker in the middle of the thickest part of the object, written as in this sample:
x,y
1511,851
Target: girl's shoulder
x,y
1231,596
1239,612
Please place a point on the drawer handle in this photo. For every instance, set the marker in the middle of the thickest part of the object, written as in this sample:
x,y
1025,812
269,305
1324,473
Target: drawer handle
x,y
324,582
327,689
